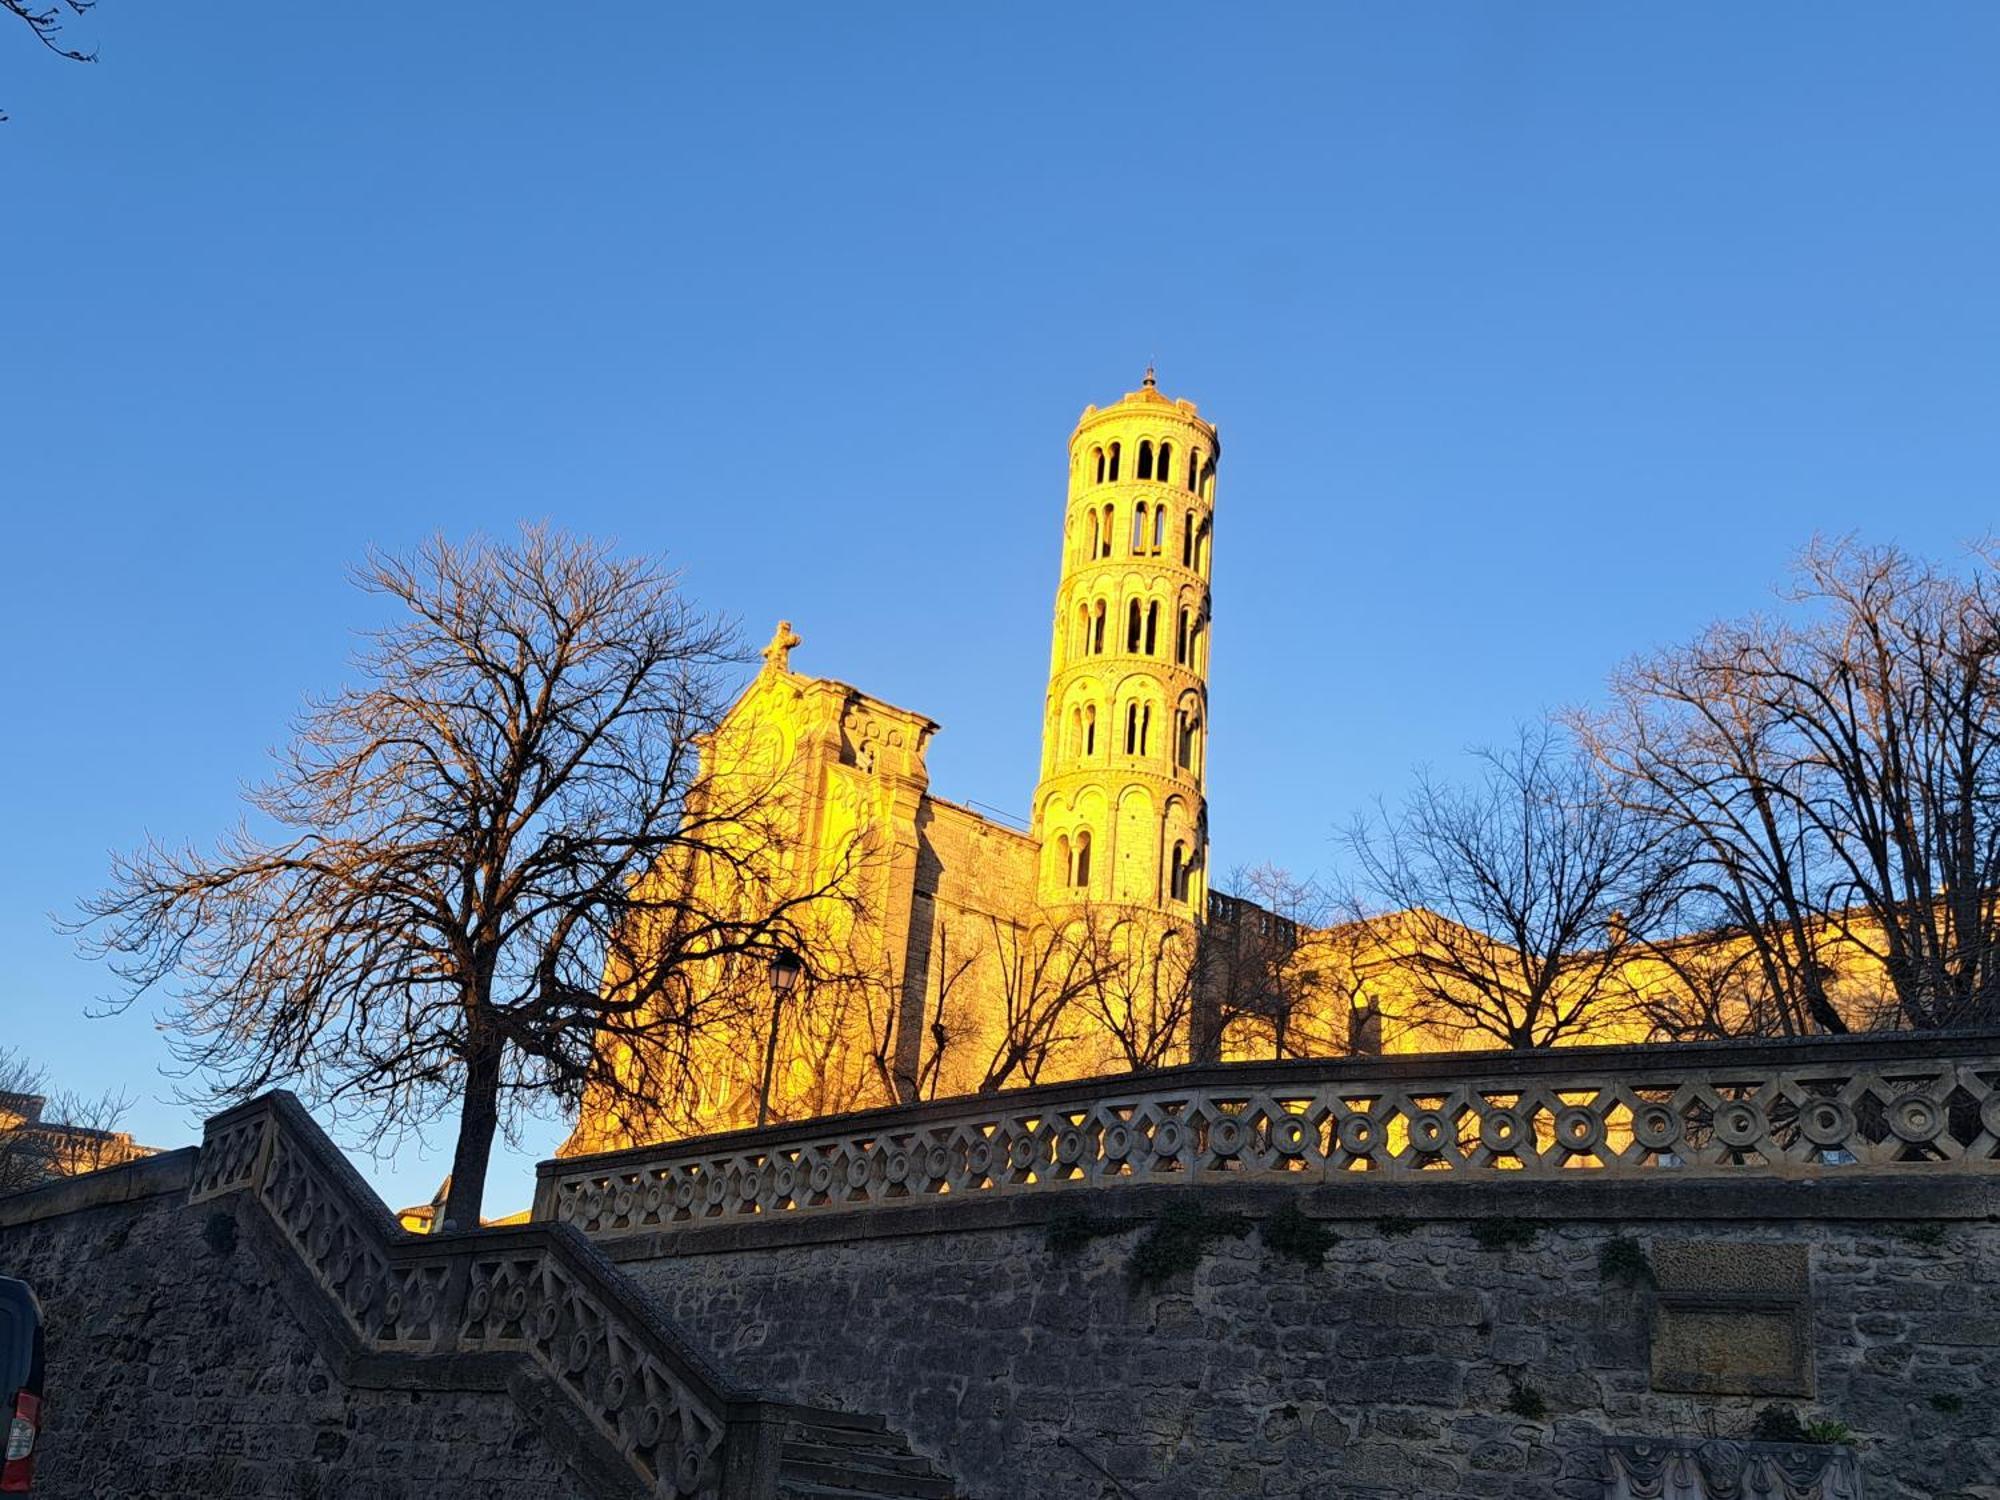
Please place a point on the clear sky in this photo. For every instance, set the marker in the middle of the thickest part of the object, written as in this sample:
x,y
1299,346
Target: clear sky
x,y
1537,334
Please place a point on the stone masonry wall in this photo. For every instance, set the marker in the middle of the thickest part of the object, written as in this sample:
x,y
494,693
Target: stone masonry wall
x,y
1388,1372
179,1365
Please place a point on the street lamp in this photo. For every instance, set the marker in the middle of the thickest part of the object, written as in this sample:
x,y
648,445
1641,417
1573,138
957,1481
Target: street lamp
x,y
786,967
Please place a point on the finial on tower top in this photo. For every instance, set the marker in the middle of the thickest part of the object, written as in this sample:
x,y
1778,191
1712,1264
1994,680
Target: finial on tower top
x,y
1149,382
779,653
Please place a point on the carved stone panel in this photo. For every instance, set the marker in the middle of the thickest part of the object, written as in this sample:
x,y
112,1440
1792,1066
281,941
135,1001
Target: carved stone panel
x,y
1732,1318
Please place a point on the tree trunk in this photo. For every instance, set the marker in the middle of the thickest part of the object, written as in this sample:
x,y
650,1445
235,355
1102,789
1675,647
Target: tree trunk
x,y
478,1117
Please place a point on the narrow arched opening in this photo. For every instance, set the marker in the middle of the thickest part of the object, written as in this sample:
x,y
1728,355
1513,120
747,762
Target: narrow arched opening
x,y
1145,460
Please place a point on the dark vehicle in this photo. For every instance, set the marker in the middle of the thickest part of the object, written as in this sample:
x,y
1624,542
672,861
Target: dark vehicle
x,y
20,1383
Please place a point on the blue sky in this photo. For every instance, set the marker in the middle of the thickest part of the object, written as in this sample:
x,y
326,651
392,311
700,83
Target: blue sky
x,y
1538,335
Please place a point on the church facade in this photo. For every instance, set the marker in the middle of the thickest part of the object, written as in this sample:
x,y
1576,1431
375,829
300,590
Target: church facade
x,y
929,950
960,952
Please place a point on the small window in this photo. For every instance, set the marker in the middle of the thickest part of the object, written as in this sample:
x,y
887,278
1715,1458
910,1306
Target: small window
x,y
1080,876
1090,729
1159,529
1152,627
1181,641
1112,473
1194,471
1187,738
1165,471
1187,541
1062,855
1139,528
1093,535
1097,631
1134,625
1108,531
1145,460
1097,464
1178,881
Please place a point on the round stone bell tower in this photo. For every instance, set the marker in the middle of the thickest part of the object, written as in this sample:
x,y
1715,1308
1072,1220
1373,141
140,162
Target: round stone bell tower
x,y
1119,807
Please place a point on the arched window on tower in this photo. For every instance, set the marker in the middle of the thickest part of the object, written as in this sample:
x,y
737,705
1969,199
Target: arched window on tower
x,y
1074,743
1080,871
1090,729
1164,471
1112,467
1061,852
1201,550
1187,540
1152,627
1177,886
1138,727
1145,460
1187,740
1194,470
1207,480
1097,464
1093,534
1097,630
1134,624
1181,640
1107,531
1138,528
1159,529
1198,647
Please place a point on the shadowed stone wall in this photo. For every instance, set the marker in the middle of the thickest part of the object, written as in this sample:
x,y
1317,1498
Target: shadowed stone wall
x,y
1389,1371
184,1360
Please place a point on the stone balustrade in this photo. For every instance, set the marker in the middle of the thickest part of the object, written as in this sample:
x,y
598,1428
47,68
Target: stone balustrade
x,y
1825,1106
540,1292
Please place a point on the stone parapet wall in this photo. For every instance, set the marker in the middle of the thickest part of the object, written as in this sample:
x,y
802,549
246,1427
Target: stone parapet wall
x,y
1827,1108
185,1358
1449,1346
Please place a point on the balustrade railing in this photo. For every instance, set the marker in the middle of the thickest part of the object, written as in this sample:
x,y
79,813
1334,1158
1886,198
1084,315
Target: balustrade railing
x,y
1896,1102
541,1292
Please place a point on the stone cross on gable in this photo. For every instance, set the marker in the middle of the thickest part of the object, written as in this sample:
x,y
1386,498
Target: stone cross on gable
x,y
779,653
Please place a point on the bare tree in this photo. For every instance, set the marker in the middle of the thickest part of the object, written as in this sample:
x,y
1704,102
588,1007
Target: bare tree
x,y
1505,908
460,854
46,1135
1839,779
1263,971
45,18
1047,970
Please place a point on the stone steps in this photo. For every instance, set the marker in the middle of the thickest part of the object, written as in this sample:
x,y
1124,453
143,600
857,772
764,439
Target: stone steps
x,y
829,1456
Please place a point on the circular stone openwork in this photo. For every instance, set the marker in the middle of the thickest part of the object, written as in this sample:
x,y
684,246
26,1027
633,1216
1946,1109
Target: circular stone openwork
x,y
1225,1136
1117,1142
1429,1130
1578,1128
1502,1130
1358,1135
1657,1127
1169,1136
1288,1135
1739,1123
1915,1118
1826,1122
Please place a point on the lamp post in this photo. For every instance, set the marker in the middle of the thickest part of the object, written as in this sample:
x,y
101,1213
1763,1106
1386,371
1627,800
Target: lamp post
x,y
785,970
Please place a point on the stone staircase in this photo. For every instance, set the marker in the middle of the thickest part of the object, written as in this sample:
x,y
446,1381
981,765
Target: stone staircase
x,y
835,1456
